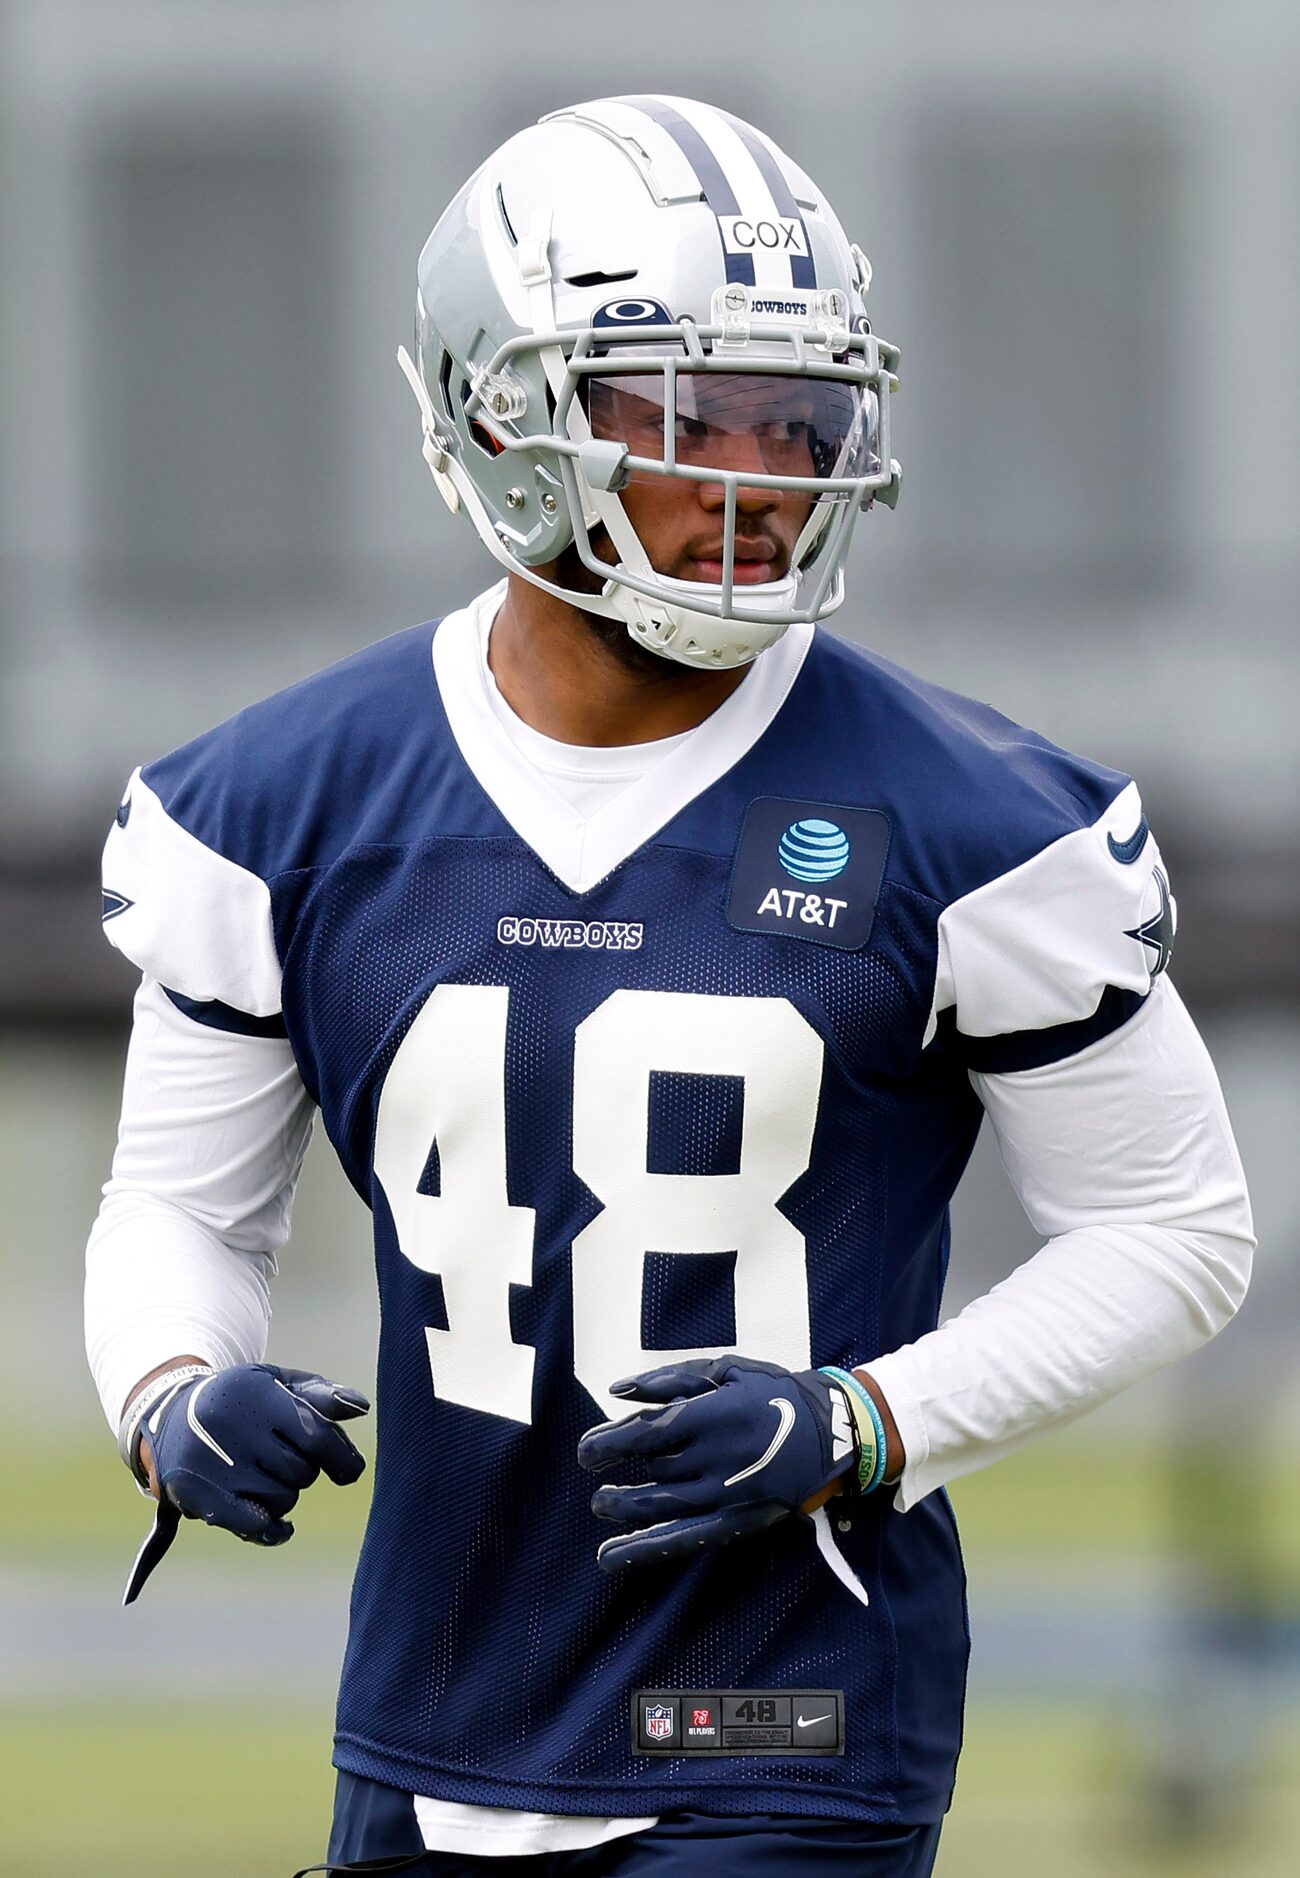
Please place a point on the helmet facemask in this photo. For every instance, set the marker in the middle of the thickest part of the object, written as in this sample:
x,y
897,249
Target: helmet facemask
x,y
742,427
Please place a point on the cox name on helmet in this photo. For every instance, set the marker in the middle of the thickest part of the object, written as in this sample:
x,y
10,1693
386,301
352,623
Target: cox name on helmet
x,y
596,935
784,235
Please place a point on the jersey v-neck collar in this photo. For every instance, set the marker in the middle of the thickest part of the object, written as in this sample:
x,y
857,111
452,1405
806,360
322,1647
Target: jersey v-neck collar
x,y
581,850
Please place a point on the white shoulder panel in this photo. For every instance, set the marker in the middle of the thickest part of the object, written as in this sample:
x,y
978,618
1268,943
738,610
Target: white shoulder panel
x,y
197,922
1039,945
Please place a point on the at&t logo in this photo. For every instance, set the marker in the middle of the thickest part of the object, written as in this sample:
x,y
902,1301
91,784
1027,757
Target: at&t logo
x,y
814,909
814,851
809,870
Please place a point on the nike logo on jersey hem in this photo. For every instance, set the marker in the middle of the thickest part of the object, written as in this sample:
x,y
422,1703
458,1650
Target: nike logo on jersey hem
x,y
786,1412
806,1721
1126,852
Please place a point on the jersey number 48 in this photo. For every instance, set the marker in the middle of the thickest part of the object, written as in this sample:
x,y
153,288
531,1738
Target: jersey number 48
x,y
447,1084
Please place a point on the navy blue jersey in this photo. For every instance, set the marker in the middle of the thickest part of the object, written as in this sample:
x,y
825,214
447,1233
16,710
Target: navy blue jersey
x,y
716,1100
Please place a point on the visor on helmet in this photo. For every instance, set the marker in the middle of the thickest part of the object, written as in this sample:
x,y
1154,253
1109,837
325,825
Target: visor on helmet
x,y
769,425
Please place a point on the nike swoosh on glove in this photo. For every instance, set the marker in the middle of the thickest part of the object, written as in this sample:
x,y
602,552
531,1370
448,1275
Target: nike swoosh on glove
x,y
236,1448
732,1446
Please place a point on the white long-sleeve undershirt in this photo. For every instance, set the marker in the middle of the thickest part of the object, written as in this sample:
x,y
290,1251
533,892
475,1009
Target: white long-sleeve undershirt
x,y
1123,1157
210,1143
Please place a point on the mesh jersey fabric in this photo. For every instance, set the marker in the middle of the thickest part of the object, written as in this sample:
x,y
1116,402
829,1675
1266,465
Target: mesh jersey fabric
x,y
488,1660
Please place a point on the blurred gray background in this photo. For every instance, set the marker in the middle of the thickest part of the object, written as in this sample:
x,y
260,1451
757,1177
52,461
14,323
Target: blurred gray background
x,y
1083,223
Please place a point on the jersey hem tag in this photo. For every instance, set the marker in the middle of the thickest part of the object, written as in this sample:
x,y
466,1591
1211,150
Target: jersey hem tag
x,y
785,1722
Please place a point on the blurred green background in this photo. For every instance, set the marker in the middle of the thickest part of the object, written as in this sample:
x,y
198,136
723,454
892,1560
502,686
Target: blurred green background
x,y
1082,221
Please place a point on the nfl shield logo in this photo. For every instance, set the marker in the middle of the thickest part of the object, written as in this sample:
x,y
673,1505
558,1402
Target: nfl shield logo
x,y
658,1721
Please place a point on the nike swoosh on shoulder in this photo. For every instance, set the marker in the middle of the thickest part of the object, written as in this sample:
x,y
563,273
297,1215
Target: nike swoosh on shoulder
x,y
1126,852
786,1412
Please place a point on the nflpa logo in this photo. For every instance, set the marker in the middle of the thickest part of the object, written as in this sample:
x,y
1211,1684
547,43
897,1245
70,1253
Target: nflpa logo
x,y
702,1729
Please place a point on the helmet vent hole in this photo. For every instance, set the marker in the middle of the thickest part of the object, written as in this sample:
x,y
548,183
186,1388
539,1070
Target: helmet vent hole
x,y
598,279
483,437
444,381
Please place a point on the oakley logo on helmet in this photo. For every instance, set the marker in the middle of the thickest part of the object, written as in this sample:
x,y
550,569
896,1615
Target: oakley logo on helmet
x,y
632,313
786,235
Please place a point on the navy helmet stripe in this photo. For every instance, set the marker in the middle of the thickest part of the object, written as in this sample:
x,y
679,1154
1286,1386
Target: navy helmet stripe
x,y
803,271
718,192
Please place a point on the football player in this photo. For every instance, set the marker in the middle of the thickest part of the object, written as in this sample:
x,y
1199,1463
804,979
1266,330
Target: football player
x,y
652,956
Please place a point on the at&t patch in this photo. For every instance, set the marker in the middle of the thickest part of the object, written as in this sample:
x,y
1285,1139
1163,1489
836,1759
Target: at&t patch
x,y
809,870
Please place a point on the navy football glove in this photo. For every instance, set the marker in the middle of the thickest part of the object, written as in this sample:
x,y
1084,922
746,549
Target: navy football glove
x,y
738,1446
237,1447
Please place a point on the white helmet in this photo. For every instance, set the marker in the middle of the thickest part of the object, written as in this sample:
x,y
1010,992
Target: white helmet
x,y
617,288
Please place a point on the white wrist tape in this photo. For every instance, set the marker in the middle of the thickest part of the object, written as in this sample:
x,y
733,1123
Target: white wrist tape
x,y
128,1435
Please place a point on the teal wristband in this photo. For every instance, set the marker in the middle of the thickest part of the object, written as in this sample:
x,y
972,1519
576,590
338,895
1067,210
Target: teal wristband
x,y
881,1457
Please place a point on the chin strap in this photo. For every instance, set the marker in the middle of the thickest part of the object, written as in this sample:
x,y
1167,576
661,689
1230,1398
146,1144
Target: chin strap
x,y
677,630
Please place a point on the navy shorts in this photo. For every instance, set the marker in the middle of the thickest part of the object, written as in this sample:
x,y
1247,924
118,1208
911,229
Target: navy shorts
x,y
374,1823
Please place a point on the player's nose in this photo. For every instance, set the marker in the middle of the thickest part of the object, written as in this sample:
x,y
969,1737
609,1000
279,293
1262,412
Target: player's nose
x,y
745,455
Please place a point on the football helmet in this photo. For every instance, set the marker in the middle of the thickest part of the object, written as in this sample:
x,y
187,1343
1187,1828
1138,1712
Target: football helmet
x,y
642,288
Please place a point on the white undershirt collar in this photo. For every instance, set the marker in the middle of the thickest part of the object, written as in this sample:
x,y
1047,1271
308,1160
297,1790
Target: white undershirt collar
x,y
586,775
581,849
